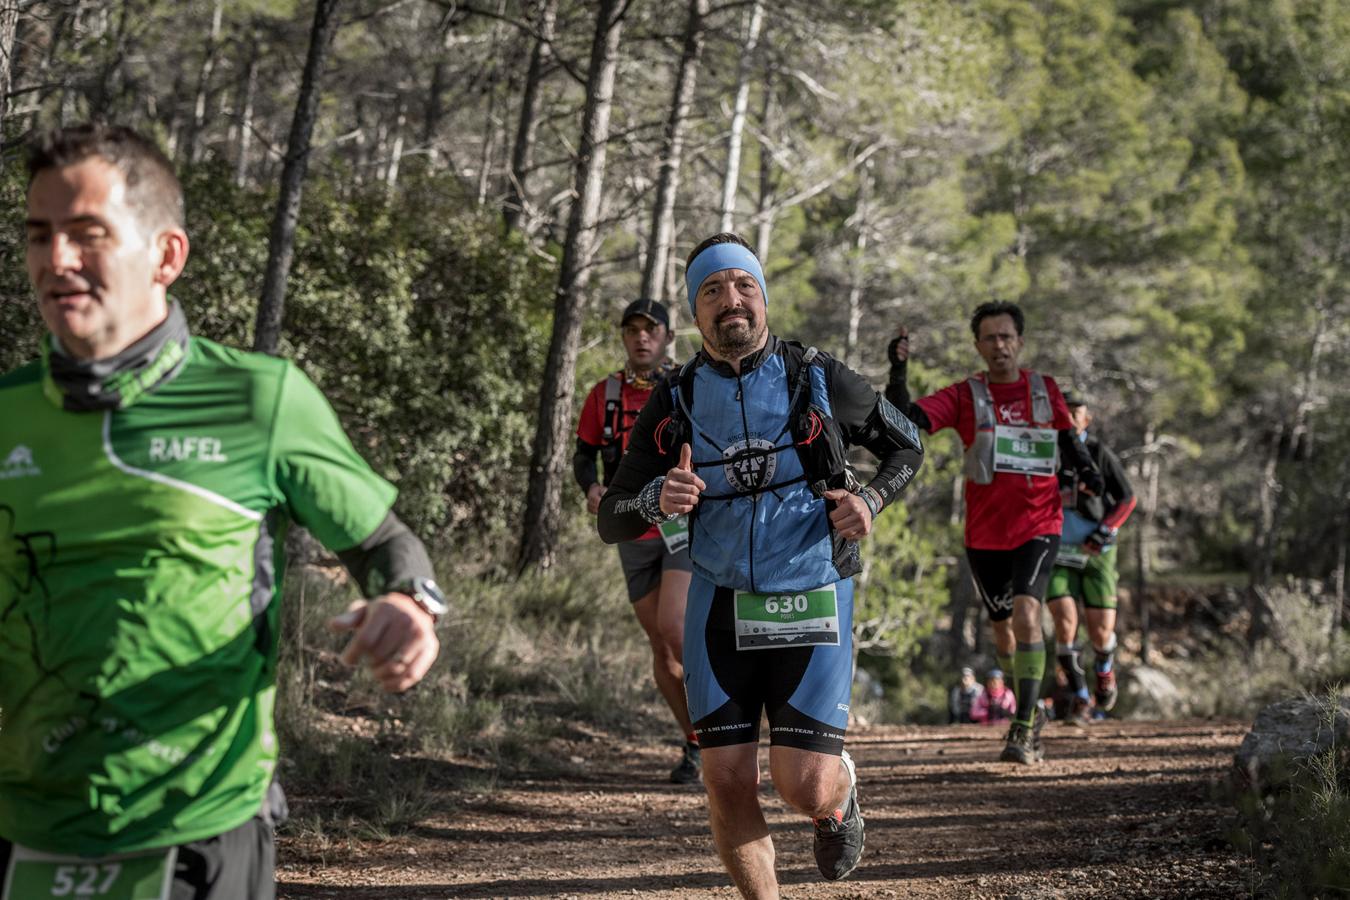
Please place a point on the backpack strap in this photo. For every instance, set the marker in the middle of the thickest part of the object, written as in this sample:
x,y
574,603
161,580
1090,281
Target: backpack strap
x,y
1041,411
978,465
613,423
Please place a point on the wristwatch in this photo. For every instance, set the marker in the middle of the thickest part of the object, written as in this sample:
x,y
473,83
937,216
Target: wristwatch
x,y
426,594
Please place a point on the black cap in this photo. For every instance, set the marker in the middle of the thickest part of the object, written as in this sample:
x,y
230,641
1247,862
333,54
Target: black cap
x,y
1074,398
651,309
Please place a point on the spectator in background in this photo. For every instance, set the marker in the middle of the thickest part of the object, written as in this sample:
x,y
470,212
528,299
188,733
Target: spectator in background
x,y
995,703
963,698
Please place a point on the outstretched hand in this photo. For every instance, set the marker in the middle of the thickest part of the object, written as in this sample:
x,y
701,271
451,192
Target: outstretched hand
x,y
681,490
897,351
394,636
850,517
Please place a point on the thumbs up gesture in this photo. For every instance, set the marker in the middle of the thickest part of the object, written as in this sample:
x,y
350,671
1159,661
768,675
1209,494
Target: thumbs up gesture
x,y
680,492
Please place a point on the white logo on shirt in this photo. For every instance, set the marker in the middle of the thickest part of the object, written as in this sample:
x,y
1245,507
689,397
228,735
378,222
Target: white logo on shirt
x,y
19,464
181,449
747,470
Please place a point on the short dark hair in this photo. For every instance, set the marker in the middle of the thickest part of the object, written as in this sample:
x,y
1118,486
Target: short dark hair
x,y
724,237
997,308
153,189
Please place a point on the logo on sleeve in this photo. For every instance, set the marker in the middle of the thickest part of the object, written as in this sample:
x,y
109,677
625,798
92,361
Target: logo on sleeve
x,y
19,464
194,448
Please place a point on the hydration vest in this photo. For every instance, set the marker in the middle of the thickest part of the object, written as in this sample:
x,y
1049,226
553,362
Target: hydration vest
x,y
612,427
767,446
612,430
979,459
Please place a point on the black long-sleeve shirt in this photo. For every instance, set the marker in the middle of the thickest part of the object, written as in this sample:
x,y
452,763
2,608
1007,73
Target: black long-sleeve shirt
x,y
1117,501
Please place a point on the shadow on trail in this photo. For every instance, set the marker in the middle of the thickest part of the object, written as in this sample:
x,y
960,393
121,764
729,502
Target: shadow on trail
x,y
514,887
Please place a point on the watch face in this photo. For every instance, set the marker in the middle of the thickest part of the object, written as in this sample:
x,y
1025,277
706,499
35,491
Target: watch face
x,y
430,594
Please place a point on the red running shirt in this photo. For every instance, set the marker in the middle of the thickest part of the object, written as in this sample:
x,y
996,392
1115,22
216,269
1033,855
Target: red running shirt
x,y
591,424
1012,509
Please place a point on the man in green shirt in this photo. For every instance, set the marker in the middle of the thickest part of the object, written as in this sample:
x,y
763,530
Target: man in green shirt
x,y
147,479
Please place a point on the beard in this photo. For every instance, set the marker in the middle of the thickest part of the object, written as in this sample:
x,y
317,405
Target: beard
x,y
736,335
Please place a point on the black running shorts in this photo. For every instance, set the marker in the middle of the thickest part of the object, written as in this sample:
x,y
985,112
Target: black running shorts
x,y
804,691
1001,575
644,562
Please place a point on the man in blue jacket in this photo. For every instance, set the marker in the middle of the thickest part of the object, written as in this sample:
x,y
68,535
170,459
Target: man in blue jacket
x,y
750,440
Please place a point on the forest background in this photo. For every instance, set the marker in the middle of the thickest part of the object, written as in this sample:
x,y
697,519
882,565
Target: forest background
x,y
438,209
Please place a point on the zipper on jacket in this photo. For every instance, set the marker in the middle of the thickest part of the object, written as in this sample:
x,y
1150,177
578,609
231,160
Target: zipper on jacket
x,y
754,500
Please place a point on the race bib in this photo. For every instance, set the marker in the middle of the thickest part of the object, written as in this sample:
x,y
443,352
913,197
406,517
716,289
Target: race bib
x,y
1074,556
1075,531
1024,450
675,533
789,619
137,876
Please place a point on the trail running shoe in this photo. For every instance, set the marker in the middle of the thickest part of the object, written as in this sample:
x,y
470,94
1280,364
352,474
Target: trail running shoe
x,y
1061,703
1080,711
1024,742
1106,690
690,767
839,837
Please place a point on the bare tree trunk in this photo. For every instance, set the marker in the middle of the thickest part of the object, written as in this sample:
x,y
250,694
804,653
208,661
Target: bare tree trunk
x,y
1263,541
963,596
435,108
857,270
543,501
1273,496
733,173
250,87
662,240
107,89
281,242
1338,575
1148,470
764,214
9,25
522,154
490,128
194,141
396,147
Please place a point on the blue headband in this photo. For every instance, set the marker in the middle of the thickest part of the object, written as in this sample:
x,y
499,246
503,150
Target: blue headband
x,y
719,258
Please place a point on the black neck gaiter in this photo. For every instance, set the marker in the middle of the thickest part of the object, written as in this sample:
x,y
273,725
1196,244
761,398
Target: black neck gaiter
x,y
118,381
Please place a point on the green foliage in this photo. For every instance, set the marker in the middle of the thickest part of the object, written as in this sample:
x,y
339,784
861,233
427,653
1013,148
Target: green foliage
x,y
390,306
20,323
900,590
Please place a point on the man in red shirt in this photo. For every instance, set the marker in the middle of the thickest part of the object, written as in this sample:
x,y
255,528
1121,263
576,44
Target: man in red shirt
x,y
1014,426
656,565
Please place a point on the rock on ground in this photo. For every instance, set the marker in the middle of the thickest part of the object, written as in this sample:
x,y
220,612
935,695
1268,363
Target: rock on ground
x,y
1288,733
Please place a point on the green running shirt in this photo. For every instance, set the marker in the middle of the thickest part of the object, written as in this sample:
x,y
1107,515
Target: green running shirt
x,y
140,562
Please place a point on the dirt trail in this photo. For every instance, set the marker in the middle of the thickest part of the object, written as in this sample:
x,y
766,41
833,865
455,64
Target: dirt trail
x,y
1118,809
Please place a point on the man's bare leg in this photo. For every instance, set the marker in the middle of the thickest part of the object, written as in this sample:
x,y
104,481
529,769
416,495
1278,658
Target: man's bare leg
x,y
731,776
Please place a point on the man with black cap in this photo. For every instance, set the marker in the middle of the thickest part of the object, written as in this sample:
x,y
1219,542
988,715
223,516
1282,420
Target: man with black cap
x,y
1085,568
750,440
656,564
